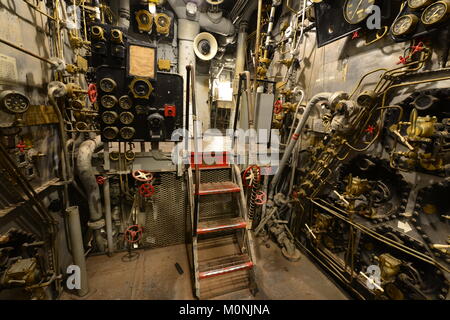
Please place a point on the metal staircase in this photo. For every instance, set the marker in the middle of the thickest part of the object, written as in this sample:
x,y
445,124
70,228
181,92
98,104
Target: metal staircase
x,y
222,255
220,247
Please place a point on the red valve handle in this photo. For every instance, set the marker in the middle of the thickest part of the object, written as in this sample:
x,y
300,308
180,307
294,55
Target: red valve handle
x,y
246,176
100,180
22,146
146,190
142,175
260,198
92,92
133,233
278,106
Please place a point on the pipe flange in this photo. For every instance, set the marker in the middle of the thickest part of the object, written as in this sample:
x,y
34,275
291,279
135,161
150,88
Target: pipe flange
x,y
96,225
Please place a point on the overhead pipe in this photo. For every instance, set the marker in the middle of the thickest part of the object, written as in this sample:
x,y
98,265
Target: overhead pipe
x,y
87,177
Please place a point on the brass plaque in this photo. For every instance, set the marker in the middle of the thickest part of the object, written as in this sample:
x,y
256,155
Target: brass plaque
x,y
142,61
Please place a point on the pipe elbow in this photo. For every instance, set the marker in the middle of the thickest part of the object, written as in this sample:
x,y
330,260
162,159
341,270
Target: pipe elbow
x,y
218,25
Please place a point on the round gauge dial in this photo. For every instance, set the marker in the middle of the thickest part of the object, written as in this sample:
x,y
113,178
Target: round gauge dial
x,y
436,13
107,85
14,102
355,10
126,117
125,102
404,25
110,132
108,101
127,132
162,21
109,117
141,88
417,4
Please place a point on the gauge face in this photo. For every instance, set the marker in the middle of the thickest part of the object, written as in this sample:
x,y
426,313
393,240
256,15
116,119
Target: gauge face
x,y
110,132
404,24
14,102
162,21
109,117
144,18
417,4
125,102
126,117
141,88
355,10
107,85
108,101
436,13
127,132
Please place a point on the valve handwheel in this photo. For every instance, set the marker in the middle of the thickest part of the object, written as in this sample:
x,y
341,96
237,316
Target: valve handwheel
x,y
100,180
92,92
249,177
278,106
133,233
142,175
260,198
146,190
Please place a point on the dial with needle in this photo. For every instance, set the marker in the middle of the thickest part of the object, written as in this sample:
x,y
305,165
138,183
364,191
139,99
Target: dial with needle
x,y
356,10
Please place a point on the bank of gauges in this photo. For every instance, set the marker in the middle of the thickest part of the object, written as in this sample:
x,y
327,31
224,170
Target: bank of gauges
x,y
419,18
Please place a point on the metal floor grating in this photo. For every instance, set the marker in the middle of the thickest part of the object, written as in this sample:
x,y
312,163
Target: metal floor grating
x,y
168,227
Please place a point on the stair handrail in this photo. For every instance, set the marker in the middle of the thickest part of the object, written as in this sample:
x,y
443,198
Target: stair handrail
x,y
191,76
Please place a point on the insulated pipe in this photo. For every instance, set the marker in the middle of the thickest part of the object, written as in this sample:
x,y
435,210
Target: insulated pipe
x,y
87,177
124,14
324,96
76,240
108,217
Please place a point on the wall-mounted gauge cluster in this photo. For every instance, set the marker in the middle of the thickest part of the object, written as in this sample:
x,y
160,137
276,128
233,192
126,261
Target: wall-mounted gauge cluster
x,y
419,18
336,19
157,23
130,80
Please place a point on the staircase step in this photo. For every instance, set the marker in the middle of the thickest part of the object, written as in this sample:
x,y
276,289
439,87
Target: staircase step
x,y
224,265
228,283
218,188
221,225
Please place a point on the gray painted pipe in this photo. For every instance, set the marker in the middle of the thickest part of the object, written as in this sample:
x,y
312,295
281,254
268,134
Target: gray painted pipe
x,y
77,248
108,217
124,14
220,26
294,138
87,177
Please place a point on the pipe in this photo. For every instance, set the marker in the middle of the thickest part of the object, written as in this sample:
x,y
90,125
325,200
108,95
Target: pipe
x,y
258,36
294,138
87,177
76,239
124,14
108,217
12,45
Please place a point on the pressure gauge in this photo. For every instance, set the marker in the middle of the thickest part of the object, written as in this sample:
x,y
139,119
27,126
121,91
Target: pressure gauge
x,y
125,102
108,85
355,11
404,25
436,13
127,133
110,132
108,101
126,117
14,102
141,88
109,117
144,20
417,4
